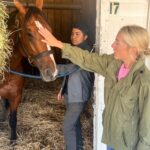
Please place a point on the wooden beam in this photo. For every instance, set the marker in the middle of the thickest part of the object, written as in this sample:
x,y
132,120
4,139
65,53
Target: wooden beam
x,y
49,6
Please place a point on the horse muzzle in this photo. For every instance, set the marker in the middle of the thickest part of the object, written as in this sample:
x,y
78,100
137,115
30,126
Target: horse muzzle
x,y
48,75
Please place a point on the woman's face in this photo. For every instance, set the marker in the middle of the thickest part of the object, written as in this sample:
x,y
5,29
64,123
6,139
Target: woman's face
x,y
77,36
121,49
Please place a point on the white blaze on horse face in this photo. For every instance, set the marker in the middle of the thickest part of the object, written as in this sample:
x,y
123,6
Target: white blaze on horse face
x,y
52,57
38,24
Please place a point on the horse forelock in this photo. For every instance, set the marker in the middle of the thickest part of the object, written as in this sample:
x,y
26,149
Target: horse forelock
x,y
34,12
31,12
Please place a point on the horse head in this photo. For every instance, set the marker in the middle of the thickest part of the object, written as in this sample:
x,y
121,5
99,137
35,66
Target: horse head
x,y
31,45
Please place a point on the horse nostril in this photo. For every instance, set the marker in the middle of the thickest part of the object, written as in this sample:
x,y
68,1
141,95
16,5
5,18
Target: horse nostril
x,y
47,75
48,72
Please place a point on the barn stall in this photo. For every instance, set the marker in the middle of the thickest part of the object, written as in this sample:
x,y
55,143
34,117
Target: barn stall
x,y
40,115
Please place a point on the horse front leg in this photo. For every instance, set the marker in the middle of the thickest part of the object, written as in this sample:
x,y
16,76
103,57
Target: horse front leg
x,y
4,105
13,124
13,118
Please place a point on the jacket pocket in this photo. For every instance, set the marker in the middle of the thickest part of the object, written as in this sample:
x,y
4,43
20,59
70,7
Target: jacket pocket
x,y
128,100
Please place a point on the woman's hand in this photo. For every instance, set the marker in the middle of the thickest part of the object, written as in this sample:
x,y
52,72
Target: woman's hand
x,y
60,96
48,37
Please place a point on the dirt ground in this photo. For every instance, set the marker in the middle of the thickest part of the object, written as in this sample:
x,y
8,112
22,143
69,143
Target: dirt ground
x,y
40,117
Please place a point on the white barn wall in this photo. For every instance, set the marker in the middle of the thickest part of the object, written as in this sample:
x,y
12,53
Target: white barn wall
x,y
108,22
148,27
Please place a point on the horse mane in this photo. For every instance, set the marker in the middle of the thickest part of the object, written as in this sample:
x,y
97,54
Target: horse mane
x,y
12,18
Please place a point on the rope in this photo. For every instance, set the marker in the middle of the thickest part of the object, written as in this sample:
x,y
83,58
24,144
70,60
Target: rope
x,y
24,75
39,77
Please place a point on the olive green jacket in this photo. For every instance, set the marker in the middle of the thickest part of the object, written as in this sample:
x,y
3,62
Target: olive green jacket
x,y
126,117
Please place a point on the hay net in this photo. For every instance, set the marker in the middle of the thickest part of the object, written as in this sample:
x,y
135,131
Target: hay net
x,y
5,49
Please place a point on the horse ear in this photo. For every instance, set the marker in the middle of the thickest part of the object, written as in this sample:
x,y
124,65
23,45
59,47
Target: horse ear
x,y
39,4
20,7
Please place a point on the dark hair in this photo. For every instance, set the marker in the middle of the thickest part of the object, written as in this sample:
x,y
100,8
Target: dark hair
x,y
81,26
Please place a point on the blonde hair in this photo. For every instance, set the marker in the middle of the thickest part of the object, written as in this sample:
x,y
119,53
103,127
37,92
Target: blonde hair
x,y
136,36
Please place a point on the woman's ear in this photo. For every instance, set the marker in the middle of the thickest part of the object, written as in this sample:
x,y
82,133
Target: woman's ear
x,y
85,37
133,51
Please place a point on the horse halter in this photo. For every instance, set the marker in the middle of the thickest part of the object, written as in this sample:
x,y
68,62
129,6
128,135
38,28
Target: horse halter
x,y
30,58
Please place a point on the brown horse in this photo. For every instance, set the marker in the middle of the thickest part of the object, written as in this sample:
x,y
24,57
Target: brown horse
x,y
26,43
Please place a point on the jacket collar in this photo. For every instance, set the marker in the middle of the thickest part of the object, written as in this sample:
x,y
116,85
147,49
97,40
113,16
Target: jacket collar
x,y
138,68
113,69
84,45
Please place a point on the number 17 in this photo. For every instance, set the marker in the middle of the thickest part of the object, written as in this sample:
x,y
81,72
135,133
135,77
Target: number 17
x,y
114,7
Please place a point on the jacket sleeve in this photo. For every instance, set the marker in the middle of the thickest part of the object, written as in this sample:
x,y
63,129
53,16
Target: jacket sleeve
x,y
86,60
144,124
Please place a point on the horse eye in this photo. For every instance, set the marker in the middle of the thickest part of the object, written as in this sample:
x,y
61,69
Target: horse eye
x,y
30,35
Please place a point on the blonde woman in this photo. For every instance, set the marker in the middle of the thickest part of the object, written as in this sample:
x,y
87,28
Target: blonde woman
x,y
126,121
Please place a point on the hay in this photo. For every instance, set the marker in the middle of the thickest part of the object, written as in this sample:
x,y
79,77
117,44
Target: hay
x,y
40,118
5,49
